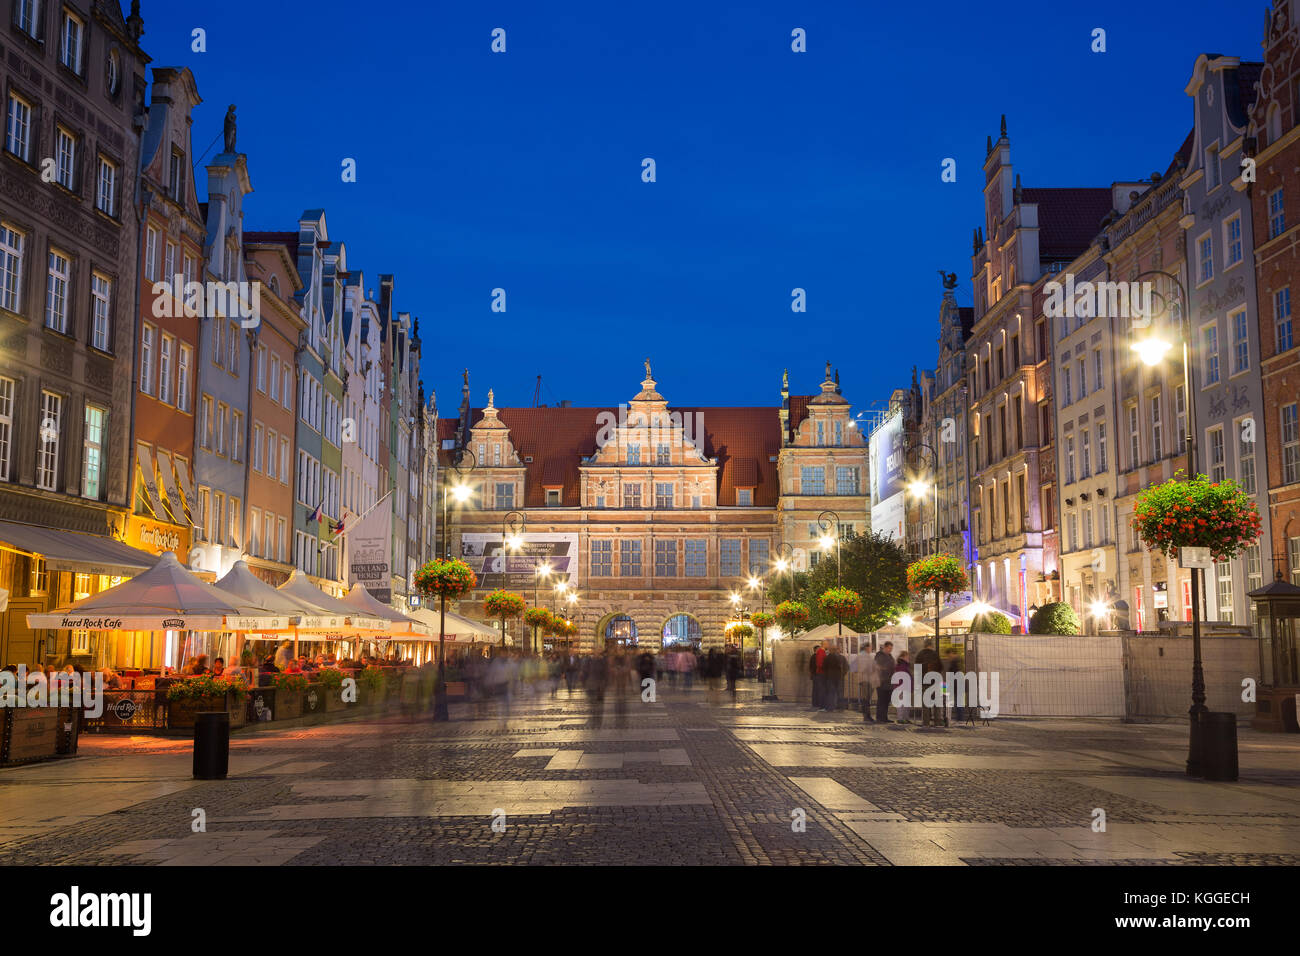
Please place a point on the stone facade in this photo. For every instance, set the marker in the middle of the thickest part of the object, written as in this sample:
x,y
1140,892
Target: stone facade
x,y
654,515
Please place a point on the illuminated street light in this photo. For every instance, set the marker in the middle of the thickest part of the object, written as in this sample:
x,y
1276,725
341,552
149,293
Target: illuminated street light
x,y
905,620
1152,350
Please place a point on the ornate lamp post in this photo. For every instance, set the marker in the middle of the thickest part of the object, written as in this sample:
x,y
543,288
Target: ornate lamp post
x,y
1151,351
540,571
826,521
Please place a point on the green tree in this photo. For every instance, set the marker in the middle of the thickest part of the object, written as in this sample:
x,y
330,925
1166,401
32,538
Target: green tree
x,y
874,566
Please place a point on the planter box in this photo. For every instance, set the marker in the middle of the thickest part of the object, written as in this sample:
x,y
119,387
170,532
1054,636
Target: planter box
x,y
261,705
313,699
456,688
288,704
29,733
180,713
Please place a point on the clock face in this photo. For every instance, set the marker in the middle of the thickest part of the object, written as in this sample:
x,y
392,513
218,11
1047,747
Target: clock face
x,y
113,71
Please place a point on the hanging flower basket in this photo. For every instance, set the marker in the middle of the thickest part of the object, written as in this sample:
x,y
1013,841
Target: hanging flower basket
x,y
1197,514
792,615
539,618
564,628
842,602
503,604
439,578
938,572
762,620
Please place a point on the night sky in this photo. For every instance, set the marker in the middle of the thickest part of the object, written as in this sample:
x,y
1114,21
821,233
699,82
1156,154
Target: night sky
x,y
775,170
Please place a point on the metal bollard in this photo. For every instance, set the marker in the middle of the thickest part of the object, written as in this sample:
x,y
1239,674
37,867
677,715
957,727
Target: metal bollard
x,y
211,745
1219,745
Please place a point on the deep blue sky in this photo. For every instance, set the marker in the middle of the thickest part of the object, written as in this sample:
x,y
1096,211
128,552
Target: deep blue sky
x,y
775,170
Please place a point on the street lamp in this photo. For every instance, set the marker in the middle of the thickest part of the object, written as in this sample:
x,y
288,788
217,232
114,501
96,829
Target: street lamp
x,y
512,540
540,571
826,521
1151,350
918,489
461,492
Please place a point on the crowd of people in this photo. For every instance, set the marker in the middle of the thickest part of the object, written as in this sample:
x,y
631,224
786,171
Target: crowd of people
x,y
873,675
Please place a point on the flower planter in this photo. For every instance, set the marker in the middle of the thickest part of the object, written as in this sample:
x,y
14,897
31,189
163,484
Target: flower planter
x,y
181,713
288,704
456,688
313,699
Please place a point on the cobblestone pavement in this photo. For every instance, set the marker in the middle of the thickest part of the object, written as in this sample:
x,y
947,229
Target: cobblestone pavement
x,y
692,778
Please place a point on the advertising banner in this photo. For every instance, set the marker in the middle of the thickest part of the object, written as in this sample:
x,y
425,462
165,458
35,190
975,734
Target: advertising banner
x,y
886,446
369,553
486,555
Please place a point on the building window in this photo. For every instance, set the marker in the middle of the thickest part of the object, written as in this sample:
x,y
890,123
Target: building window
x,y
65,157
1224,575
1212,170
6,426
634,454
1069,459
1205,258
1294,552
1180,417
1245,461
56,293
147,336
176,175
257,447
632,496
745,497
39,579
665,559
73,33
1098,371
1232,241
758,555
812,480
600,501
1276,214
237,440
729,557
1153,410
11,264
1290,445
106,195
92,452
1210,348
602,559
1282,319
1085,453
183,378
847,481
697,558
47,450
26,16
151,254
18,136
663,494
206,426
1240,341
1087,527
261,369
629,558
1254,569
284,461
1065,386
166,349
1218,464
223,418
101,294
505,495
1101,447
663,455
553,497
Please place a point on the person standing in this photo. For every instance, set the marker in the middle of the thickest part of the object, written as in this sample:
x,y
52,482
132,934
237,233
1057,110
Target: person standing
x,y
884,662
816,664
904,666
930,663
834,667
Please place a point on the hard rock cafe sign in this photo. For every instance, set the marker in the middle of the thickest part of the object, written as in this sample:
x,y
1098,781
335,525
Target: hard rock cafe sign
x,y
159,538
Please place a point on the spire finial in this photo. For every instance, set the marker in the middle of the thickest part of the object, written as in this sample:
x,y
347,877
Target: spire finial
x,y
1004,125
647,370
491,400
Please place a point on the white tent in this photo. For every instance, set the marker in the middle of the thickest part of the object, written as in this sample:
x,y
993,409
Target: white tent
x,y
459,629
301,591
167,597
262,607
400,625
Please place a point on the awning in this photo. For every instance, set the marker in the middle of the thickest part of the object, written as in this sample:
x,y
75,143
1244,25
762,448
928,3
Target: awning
x,y
174,499
459,629
400,624
74,551
149,478
316,602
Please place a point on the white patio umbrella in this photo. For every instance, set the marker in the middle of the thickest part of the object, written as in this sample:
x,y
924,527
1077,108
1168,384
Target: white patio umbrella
x,y
167,597
315,601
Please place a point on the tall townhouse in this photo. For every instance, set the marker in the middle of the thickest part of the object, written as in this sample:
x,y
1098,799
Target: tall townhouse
x,y
413,405
402,438
74,86
1041,424
387,316
361,402
1275,208
227,356
166,509
308,527
654,514
1030,232
430,546
270,261
1226,384
1149,443
331,564
945,428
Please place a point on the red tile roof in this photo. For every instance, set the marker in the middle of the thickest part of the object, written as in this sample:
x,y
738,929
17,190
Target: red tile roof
x,y
1068,218
745,441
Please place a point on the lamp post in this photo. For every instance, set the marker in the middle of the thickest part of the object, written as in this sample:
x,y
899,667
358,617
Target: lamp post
x,y
461,492
512,540
784,564
918,488
825,522
1151,351
540,571
756,583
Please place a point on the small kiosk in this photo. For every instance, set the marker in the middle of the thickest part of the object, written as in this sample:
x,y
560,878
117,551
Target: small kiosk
x,y
1278,606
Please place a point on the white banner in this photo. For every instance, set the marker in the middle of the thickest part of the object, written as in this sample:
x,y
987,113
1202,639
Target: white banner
x,y
495,568
370,551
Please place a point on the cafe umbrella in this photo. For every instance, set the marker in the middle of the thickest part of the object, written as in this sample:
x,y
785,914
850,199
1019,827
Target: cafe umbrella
x,y
356,624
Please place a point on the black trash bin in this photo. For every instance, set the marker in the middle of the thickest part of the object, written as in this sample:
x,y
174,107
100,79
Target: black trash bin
x,y
1219,745
211,744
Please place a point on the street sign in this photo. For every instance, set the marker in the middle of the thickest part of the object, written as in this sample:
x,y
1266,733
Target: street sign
x,y
1194,558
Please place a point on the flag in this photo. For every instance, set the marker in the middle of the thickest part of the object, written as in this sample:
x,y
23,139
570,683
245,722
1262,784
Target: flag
x,y
316,513
340,526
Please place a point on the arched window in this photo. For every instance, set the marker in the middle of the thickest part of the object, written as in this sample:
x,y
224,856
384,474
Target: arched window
x,y
1274,124
275,285
682,629
621,629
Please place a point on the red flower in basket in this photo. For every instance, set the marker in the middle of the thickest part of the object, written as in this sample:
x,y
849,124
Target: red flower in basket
x,y
439,578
